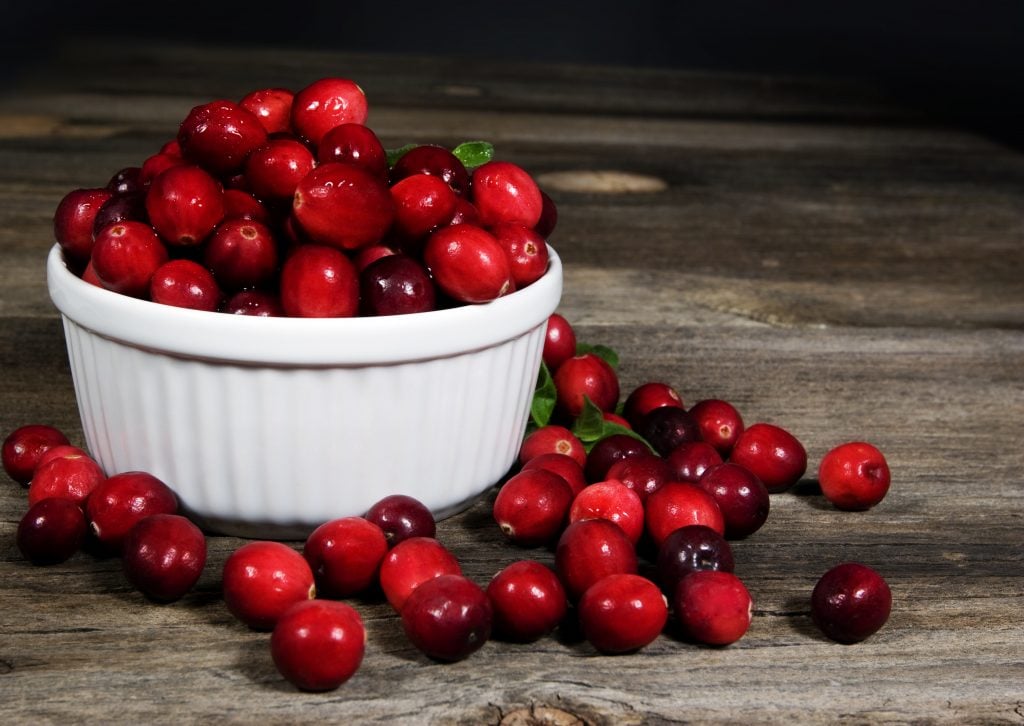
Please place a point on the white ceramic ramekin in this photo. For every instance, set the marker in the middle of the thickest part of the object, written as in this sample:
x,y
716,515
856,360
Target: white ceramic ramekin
x,y
267,427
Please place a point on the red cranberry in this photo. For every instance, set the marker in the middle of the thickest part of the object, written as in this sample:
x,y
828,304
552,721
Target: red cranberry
x,y
402,517
622,613
163,556
645,398
51,531
220,135
74,220
366,256
242,205
504,192
89,275
690,460
468,264
157,164
318,644
184,204
526,251
126,181
24,446
241,253
565,466
586,375
436,161
850,602
319,282
559,342
689,549
616,419
667,428
590,550
59,452
552,439
531,507
275,169
465,213
354,144
613,501
118,503
343,206
125,257
255,303
327,103
741,496
171,148
262,580
121,208
422,204
412,562
69,477
772,454
345,555
272,106
854,476
720,423
185,284
548,216
396,285
448,618
528,601
642,472
678,505
610,450
713,607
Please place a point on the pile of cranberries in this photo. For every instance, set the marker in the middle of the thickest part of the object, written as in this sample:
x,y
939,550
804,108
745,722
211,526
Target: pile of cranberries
x,y
288,204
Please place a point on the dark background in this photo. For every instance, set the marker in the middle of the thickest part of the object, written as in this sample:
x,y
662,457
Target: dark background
x,y
963,61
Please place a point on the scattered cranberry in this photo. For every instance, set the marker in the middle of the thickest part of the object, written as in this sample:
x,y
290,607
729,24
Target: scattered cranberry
x,y
59,452
220,135
396,285
504,192
772,454
854,476
590,550
436,161
689,549
24,447
184,204
645,398
528,601
117,504
402,517
586,375
565,466
345,555
448,617
275,169
319,282
713,607
691,459
185,284
163,556
74,219
327,103
559,342
125,257
678,505
343,206
532,506
468,264
262,580
613,501
317,645
51,531
526,251
255,303
644,473
69,477
741,496
422,204
412,562
850,602
622,613
354,144
666,428
552,439
720,423
241,253
272,106
610,450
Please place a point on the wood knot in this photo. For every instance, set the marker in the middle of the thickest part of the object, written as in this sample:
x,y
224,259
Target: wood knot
x,y
601,181
541,716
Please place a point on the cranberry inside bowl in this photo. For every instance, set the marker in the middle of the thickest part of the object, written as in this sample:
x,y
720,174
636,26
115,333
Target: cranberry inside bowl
x,y
268,427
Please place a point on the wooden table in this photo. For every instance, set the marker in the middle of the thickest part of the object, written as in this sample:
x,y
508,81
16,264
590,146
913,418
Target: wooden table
x,y
809,249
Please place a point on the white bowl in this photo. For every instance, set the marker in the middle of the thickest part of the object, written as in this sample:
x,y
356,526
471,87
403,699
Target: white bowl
x,y
268,427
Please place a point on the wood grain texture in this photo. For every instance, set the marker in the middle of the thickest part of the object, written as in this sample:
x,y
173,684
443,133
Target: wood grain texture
x,y
820,256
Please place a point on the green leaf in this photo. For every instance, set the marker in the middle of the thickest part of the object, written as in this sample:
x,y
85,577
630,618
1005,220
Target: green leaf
x,y
474,153
395,154
603,352
590,427
544,398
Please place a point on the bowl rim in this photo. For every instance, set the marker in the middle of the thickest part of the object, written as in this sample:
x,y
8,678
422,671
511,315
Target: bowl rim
x,y
284,341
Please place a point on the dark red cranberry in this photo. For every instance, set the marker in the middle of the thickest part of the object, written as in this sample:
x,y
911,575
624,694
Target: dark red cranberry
x,y
412,562
272,106
275,169
713,607
689,549
345,555
609,450
354,144
532,506
678,505
120,502
565,466
422,204
741,496
402,517
667,428
184,204
396,285
644,473
850,602
448,618
504,192
126,181
157,164
465,213
548,216
613,501
242,205
690,460
645,398
436,161
327,103
552,439
121,208
51,531
854,476
317,645
220,135
74,219
261,580
125,257
241,253
622,613
163,556
528,601
319,282
185,284
69,477
526,251
720,423
468,264
24,447
559,342
255,303
586,375
772,454
343,206
590,550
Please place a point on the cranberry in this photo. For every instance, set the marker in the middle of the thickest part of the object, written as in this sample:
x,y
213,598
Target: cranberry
x,y
559,342
396,285
242,205
667,428
354,144
157,164
163,556
345,555
552,439
272,107
468,264
59,452
343,206
402,517
126,181
719,422
465,213
645,398
241,253
677,505
565,466
184,204
74,219
610,450
854,476
319,282
528,601
622,613
171,148
504,192
255,303
772,454
412,562
613,501
51,531
89,275
643,472
850,602
690,460
741,496
616,419
262,580
220,135
689,549
366,256
548,216
317,645
422,204
185,284
69,477
590,550
24,446
448,618
121,208
586,375
327,103
526,251
275,169
713,607
118,503
436,161
532,506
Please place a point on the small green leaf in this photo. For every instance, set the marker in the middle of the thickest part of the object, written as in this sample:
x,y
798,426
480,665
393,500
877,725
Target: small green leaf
x,y
590,427
544,398
603,352
474,153
395,154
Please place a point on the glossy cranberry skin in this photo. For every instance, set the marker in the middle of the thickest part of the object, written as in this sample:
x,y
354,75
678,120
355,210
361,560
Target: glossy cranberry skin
x,y
468,264
402,517
261,580
275,169
366,256
741,496
719,422
586,375
345,555
327,103
559,342
412,562
436,161
448,618
548,216
319,282
616,419
713,607
220,135
610,450
126,181
528,601
690,460
184,204
317,645
343,206
772,454
552,439
645,398
156,164
119,503
24,447
254,303
185,284
678,505
163,556
422,204
125,257
354,144
51,531
241,253
396,285
622,613
689,549
272,107
850,602
642,472
590,550
74,219
854,476
121,208
504,192
532,506
667,428
562,465
465,213
526,250
69,477
59,452
242,205
613,501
